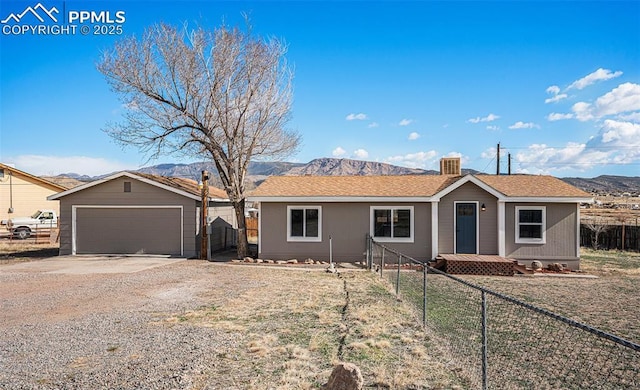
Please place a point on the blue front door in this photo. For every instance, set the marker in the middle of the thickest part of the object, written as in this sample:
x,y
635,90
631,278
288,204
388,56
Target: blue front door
x,y
466,228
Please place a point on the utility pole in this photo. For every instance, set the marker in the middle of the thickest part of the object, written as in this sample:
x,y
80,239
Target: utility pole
x,y
204,238
498,160
509,163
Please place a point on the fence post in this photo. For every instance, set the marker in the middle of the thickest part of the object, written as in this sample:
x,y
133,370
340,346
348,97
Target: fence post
x,y
369,253
424,294
398,276
484,341
382,263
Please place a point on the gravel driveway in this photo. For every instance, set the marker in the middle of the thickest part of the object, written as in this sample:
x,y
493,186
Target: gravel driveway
x,y
81,331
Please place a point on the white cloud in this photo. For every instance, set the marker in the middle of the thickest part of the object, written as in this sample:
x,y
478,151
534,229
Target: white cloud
x,y
493,128
414,160
633,117
373,124
582,111
624,98
617,142
617,133
337,152
55,165
488,118
554,90
359,117
413,136
489,153
361,153
523,125
599,75
405,122
556,98
554,116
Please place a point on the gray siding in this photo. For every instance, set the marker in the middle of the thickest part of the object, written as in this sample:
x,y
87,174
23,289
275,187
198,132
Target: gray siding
x,y
488,219
142,194
348,225
560,243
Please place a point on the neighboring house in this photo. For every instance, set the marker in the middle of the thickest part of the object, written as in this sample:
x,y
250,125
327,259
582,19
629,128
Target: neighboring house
x,y
21,194
136,213
521,217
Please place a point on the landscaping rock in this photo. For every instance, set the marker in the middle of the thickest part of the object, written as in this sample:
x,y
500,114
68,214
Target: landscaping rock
x,y
259,261
556,267
292,261
269,261
309,261
536,265
248,260
345,376
281,262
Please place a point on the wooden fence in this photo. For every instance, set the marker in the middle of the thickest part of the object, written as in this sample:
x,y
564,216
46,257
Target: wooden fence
x,y
613,237
252,230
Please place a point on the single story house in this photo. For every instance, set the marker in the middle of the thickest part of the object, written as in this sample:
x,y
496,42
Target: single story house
x,y
522,217
137,213
21,194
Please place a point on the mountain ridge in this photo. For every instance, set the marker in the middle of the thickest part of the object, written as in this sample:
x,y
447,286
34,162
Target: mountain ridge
x,y
258,171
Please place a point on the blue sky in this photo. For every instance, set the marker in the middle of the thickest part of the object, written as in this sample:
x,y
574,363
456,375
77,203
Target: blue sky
x,y
556,83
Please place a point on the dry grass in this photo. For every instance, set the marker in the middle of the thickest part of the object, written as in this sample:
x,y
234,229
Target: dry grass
x,y
297,324
17,251
611,302
611,216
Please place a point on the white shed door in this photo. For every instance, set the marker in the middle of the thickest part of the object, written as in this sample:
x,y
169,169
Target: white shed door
x,y
129,230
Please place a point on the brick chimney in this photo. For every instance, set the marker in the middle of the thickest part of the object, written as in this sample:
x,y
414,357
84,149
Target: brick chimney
x,y
450,166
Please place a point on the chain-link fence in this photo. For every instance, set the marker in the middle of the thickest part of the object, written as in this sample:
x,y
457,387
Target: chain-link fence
x,y
503,343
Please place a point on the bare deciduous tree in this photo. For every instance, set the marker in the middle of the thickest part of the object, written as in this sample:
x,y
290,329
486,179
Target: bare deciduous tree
x,y
223,94
597,226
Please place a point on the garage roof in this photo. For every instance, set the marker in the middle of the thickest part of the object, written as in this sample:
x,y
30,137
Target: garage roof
x,y
185,187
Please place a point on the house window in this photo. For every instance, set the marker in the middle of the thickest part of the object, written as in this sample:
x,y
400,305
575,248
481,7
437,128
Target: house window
x,y
392,224
531,224
304,223
127,186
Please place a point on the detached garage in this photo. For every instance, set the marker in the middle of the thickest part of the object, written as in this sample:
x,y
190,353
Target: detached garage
x,y
135,213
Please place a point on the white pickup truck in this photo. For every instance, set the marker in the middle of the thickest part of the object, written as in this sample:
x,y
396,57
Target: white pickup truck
x,y
23,227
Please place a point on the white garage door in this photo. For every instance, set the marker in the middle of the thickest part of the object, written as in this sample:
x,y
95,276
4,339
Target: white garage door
x,y
130,230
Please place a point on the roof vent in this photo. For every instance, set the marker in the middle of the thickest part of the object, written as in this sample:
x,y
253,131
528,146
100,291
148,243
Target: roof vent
x,y
450,166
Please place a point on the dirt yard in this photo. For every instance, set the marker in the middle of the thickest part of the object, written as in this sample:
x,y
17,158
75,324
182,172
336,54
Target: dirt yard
x,y
200,325
611,302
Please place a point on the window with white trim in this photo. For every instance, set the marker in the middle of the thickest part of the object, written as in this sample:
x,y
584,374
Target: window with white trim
x,y
392,224
304,223
531,224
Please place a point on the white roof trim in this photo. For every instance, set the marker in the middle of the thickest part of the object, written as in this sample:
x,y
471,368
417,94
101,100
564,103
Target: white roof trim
x,y
548,199
121,174
335,199
466,179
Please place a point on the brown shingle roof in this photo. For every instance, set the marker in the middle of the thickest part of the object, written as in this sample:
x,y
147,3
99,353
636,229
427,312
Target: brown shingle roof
x,y
352,186
532,186
408,186
187,185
